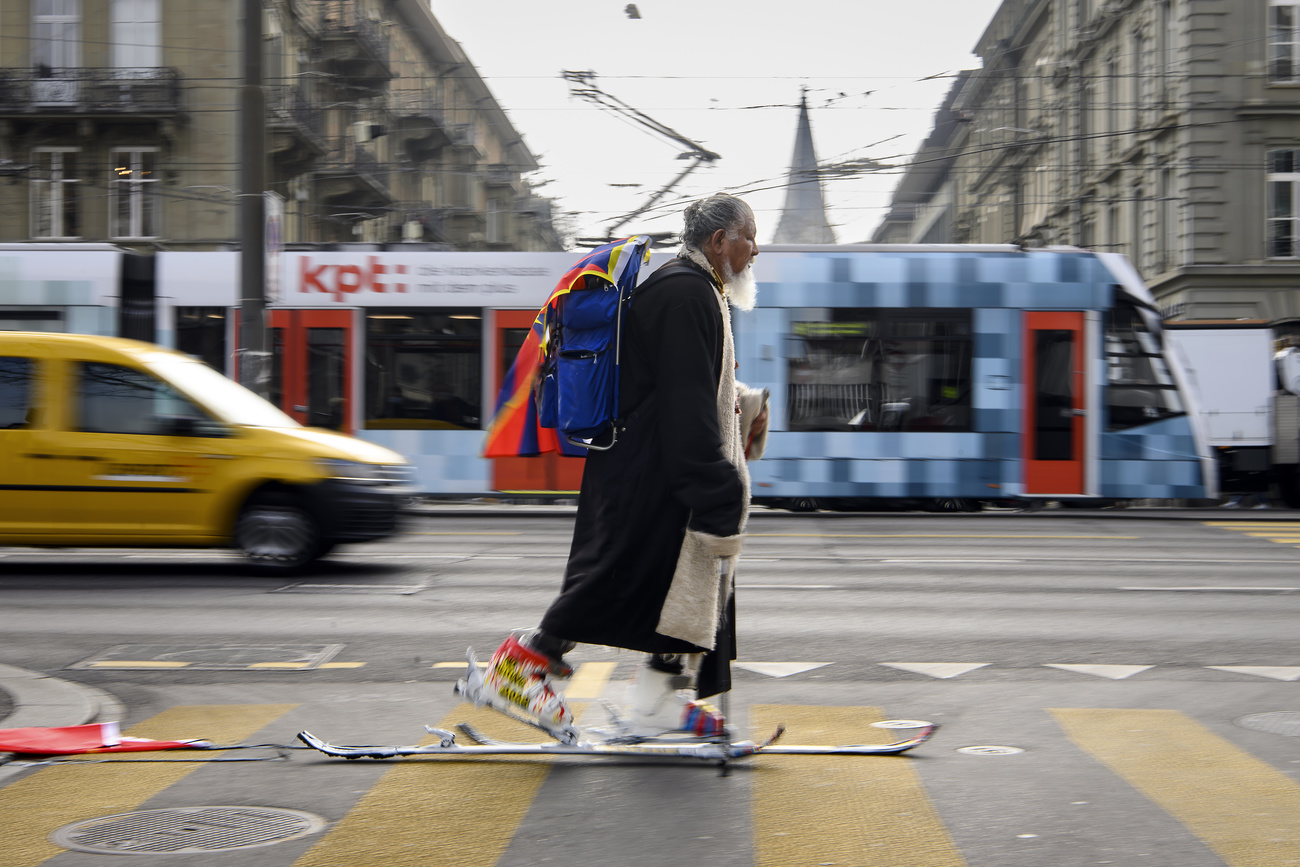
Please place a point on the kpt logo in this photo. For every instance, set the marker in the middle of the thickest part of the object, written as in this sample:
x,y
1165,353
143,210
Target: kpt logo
x,y
340,280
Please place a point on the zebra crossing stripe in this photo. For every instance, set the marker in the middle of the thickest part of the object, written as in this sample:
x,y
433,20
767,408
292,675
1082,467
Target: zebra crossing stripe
x,y
462,813
37,805
866,810
1245,810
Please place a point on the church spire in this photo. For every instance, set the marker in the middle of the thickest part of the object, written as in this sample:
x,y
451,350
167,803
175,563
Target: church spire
x,y
803,220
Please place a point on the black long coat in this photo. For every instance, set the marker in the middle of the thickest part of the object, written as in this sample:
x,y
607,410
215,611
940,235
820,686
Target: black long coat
x,y
665,473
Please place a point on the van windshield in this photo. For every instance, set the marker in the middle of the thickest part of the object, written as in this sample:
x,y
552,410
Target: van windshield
x,y
224,398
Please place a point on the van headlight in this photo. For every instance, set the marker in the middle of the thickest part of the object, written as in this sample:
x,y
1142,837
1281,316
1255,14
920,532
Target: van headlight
x,y
353,471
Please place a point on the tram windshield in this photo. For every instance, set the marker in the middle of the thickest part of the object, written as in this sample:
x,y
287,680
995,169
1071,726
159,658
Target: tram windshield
x,y
1140,389
224,398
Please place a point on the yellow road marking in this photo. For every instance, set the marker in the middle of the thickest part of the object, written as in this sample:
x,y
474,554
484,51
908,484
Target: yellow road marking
x,y
589,680
841,810
341,665
37,805
1245,810
137,663
462,813
1253,525
926,536
467,533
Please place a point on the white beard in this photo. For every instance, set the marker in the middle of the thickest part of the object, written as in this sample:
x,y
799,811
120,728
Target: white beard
x,y
741,289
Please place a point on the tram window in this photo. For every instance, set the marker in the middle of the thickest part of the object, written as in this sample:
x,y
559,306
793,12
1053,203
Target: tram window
x,y
424,368
1139,387
881,369
16,409
201,332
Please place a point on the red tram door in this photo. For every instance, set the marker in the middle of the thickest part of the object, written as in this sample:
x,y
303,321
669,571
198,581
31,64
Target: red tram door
x,y
548,473
311,366
1055,402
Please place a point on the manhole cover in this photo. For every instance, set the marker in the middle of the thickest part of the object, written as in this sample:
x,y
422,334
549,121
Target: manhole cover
x,y
186,829
990,751
1282,722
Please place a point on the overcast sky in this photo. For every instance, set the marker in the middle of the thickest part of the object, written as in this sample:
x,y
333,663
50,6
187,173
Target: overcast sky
x,y
728,76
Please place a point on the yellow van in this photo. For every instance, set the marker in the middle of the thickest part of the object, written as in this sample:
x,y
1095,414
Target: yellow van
x,y
112,442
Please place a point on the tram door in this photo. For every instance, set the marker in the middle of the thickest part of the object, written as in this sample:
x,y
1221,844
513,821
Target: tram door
x,y
311,366
548,473
1055,402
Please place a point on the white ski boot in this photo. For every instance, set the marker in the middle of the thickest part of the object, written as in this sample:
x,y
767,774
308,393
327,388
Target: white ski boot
x,y
659,702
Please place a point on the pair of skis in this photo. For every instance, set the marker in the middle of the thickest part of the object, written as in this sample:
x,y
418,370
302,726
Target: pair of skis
x,y
614,741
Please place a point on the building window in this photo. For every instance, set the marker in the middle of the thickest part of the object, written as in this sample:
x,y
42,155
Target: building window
x,y
424,368
136,35
1139,388
1283,185
55,204
56,35
16,405
1283,41
132,198
1166,217
496,218
881,370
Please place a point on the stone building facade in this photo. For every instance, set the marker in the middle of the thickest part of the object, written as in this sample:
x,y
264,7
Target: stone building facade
x,y
119,122
1166,130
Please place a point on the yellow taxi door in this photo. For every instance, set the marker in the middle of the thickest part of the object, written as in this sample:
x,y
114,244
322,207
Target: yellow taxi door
x,y
23,503
130,459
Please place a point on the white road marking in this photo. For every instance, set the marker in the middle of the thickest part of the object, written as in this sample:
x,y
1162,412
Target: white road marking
x,y
781,669
1114,672
1277,672
941,670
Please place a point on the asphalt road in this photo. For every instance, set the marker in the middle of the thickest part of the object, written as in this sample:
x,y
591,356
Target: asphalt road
x,y
1115,657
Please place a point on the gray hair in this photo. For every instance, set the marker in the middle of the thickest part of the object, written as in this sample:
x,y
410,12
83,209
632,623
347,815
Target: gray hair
x,y
706,216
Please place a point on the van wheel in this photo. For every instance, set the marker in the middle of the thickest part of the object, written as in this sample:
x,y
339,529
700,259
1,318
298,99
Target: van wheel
x,y
277,536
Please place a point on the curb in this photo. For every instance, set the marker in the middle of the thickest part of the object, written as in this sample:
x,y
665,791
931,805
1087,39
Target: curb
x,y
42,701
1139,513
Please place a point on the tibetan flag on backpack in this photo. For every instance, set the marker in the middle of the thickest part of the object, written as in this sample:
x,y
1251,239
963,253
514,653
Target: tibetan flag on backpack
x,y
561,394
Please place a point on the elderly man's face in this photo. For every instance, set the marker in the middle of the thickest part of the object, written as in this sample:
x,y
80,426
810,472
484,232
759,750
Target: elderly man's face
x,y
739,251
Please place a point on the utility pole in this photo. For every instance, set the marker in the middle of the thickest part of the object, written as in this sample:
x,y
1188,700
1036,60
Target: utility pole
x,y
253,364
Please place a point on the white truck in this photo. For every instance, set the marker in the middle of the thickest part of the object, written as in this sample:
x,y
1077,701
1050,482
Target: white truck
x,y
1249,402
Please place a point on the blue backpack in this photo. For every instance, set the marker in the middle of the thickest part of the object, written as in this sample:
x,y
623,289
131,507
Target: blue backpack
x,y
576,391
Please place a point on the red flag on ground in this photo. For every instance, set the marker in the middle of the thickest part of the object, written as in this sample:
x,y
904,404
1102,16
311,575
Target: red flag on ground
x,y
93,738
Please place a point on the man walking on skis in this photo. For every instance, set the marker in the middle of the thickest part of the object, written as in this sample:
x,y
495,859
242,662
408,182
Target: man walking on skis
x,y
659,511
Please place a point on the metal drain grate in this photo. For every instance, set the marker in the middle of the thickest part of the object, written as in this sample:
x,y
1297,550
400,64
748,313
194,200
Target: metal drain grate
x,y
1281,722
186,829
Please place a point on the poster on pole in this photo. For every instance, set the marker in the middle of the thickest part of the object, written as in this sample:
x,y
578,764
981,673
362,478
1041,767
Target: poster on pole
x,y
274,207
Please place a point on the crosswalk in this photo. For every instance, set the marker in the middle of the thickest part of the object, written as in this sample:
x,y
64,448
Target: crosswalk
x,y
1219,801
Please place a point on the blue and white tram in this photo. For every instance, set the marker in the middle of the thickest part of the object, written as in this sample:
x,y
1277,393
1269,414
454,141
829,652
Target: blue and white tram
x,y
897,374
966,373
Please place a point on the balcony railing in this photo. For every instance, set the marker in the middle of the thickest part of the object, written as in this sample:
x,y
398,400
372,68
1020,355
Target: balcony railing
x,y
81,90
432,220
341,19
289,106
346,157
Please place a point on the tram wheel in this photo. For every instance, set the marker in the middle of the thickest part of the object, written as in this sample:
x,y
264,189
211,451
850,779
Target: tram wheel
x,y
953,504
277,535
803,504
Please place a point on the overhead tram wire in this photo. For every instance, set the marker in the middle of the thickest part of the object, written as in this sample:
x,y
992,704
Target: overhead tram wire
x,y
583,84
